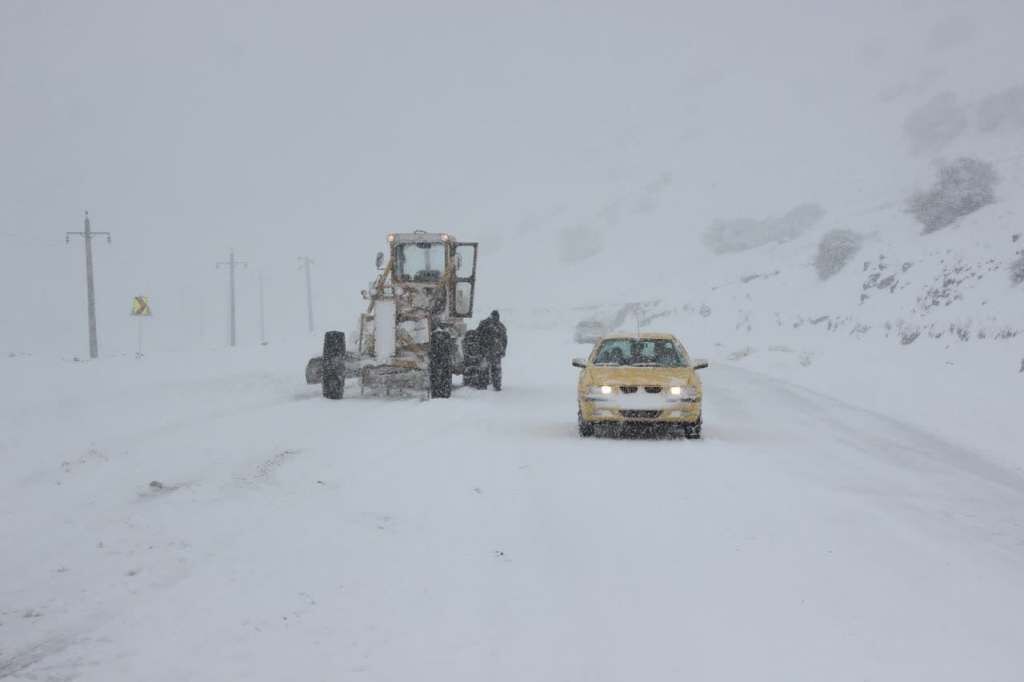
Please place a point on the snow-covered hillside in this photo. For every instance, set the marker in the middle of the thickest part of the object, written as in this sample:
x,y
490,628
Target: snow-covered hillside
x,y
962,283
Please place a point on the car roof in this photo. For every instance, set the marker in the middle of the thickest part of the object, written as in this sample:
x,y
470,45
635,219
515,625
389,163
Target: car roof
x,y
662,336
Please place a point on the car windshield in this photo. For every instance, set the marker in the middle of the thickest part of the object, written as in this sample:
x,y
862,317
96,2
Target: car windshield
x,y
639,353
419,262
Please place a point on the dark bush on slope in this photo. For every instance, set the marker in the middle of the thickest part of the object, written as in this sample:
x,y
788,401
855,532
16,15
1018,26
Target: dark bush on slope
x,y
961,188
1017,271
835,250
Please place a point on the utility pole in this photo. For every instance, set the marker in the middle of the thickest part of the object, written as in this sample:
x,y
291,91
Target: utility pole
x,y
263,326
306,262
87,235
231,264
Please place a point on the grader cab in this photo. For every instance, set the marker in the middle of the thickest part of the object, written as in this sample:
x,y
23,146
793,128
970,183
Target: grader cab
x,y
410,339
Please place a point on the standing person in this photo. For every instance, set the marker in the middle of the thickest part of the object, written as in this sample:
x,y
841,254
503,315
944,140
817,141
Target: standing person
x,y
494,342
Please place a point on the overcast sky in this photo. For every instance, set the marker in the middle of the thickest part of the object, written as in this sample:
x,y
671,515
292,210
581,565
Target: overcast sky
x,y
314,128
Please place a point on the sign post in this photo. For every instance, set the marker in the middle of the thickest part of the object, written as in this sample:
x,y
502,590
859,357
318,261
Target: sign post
x,y
140,309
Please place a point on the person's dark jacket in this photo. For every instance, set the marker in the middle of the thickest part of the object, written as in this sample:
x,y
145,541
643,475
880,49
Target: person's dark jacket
x,y
493,337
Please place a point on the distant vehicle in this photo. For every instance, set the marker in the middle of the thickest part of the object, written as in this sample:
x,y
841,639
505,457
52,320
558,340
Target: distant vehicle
x,y
589,331
640,379
411,337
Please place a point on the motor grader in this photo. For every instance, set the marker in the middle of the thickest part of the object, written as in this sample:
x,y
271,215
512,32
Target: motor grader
x,y
413,337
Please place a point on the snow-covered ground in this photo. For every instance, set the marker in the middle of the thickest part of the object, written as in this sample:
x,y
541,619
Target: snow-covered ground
x,y
207,516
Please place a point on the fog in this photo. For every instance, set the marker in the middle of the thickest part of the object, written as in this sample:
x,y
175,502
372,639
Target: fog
x,y
553,133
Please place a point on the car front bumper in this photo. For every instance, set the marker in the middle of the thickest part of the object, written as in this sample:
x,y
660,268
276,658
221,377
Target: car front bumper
x,y
642,409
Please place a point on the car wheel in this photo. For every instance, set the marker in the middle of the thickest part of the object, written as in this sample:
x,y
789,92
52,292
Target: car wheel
x,y
586,428
692,431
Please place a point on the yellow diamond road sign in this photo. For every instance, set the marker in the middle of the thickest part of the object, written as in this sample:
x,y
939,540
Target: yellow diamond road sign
x,y
140,307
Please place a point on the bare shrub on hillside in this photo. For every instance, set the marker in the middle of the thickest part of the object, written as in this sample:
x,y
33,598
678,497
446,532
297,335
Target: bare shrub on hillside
x,y
961,188
740,234
835,250
1017,271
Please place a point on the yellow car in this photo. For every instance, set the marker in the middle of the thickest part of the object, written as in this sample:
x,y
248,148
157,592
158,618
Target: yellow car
x,y
640,379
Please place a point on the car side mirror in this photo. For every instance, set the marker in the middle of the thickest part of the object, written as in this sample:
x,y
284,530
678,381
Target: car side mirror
x,y
577,362
700,364
380,259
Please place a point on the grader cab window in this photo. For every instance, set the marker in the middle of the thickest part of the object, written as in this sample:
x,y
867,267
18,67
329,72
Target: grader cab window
x,y
420,262
463,299
465,279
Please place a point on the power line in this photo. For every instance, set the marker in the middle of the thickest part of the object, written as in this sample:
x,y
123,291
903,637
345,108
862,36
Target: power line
x,y
231,264
87,236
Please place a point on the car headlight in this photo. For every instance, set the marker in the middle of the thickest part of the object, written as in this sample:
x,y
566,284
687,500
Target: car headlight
x,y
684,392
606,390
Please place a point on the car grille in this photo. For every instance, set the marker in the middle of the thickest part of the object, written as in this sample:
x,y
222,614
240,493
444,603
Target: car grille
x,y
640,414
653,389
628,389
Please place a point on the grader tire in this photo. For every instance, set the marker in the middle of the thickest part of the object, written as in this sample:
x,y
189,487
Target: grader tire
x,y
440,365
334,366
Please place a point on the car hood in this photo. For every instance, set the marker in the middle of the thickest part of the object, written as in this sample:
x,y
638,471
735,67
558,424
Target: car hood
x,y
640,376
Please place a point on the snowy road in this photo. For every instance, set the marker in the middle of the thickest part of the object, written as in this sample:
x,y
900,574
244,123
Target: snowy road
x,y
479,539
